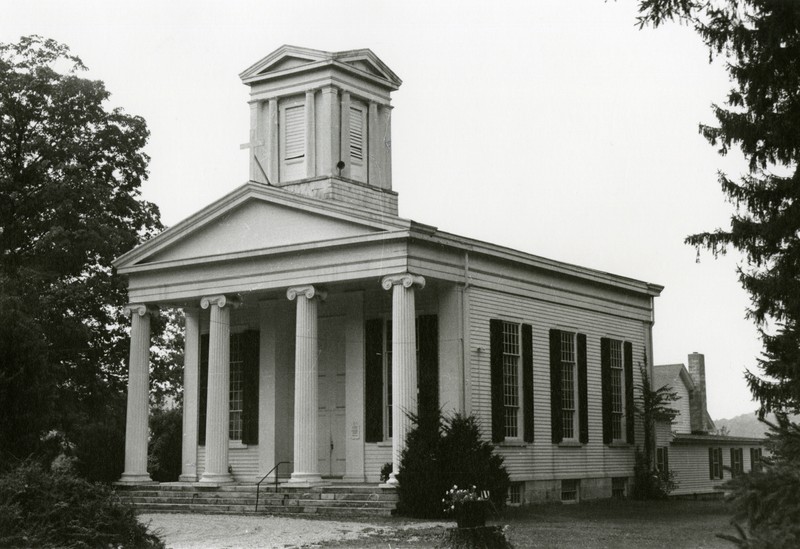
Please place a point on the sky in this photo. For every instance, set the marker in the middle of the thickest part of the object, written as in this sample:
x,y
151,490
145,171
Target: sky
x,y
556,128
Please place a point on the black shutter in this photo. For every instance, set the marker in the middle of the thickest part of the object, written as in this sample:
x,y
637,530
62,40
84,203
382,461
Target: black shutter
x,y
527,381
428,367
373,380
496,370
733,463
555,386
583,390
605,375
666,460
203,396
711,463
628,352
250,367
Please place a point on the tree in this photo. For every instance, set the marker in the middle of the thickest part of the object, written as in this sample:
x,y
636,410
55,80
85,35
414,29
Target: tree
x,y
71,171
653,405
760,44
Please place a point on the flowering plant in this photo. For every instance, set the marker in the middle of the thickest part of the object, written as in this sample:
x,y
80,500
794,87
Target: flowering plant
x,y
456,498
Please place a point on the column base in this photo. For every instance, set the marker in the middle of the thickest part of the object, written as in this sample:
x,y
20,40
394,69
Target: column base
x,y
216,478
302,480
134,478
187,478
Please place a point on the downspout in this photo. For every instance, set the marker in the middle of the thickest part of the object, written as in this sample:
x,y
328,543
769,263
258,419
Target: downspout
x,y
466,399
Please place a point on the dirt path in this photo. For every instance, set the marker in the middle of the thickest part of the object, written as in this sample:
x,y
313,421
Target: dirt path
x,y
192,531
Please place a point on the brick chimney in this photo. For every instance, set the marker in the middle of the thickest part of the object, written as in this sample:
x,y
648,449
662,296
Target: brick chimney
x,y
697,401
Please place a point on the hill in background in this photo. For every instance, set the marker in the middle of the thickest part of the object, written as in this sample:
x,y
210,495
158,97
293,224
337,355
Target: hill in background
x,y
747,425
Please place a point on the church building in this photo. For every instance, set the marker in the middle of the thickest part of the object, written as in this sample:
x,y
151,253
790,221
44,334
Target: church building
x,y
317,318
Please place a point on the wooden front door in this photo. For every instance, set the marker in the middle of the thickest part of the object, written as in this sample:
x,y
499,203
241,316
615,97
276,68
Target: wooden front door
x,y
331,425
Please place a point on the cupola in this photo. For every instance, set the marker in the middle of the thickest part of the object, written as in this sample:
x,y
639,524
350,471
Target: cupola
x,y
320,125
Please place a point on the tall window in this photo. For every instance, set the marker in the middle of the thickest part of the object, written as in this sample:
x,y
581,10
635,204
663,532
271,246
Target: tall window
x,y
737,462
662,459
236,388
715,463
569,386
511,379
387,386
617,390
755,459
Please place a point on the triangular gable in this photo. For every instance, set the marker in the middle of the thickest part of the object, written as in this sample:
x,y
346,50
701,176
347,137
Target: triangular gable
x,y
256,225
257,217
292,58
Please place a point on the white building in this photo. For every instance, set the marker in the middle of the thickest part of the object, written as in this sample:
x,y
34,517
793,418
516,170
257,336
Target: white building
x,y
315,316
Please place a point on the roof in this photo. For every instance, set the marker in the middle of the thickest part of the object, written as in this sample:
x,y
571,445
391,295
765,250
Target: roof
x,y
668,374
695,439
372,223
293,59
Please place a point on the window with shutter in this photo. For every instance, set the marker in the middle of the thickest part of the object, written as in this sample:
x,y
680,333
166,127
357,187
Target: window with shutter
x,y
512,380
569,387
755,459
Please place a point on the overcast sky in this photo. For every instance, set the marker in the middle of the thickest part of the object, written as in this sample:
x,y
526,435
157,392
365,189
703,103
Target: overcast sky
x,y
556,128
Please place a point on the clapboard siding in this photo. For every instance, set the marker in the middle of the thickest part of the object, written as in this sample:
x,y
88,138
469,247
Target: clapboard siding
x,y
682,422
542,459
375,455
243,462
689,463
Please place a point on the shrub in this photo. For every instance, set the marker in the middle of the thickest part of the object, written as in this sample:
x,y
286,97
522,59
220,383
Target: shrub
x,y
166,439
43,508
650,483
442,453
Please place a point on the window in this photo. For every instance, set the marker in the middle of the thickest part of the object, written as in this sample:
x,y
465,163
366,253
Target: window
x,y
737,462
755,459
618,487
511,380
715,463
569,490
378,409
387,376
569,387
662,459
511,377
236,391
617,390
292,139
515,493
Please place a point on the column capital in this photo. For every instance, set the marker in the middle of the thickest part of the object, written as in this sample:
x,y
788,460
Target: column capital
x,y
307,290
406,279
220,301
139,309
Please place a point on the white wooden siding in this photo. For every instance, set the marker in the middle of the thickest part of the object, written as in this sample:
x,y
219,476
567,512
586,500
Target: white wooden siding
x,y
682,422
375,455
243,462
542,459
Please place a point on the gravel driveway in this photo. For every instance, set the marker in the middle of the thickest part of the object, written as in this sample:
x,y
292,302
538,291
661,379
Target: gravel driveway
x,y
249,532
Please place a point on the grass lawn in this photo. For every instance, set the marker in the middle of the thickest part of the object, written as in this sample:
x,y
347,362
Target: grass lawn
x,y
621,523
596,524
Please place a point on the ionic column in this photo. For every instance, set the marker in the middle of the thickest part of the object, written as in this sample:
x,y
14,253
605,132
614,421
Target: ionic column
x,y
404,360
136,428
191,384
219,373
305,385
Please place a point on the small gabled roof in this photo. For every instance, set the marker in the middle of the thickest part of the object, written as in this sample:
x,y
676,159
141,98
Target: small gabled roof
x,y
292,59
667,374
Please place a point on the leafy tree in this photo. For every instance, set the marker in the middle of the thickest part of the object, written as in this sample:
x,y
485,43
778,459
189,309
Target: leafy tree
x,y
760,44
71,170
653,405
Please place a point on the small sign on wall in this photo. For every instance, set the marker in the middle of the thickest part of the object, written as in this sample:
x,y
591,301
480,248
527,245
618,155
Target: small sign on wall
x,y
355,431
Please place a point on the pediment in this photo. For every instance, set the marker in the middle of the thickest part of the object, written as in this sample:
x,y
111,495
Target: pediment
x,y
292,58
255,225
255,218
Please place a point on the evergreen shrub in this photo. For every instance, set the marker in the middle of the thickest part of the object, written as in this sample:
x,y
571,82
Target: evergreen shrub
x,y
45,508
442,452
650,483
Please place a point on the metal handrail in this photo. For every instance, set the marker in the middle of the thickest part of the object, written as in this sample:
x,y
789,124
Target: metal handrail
x,y
258,484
